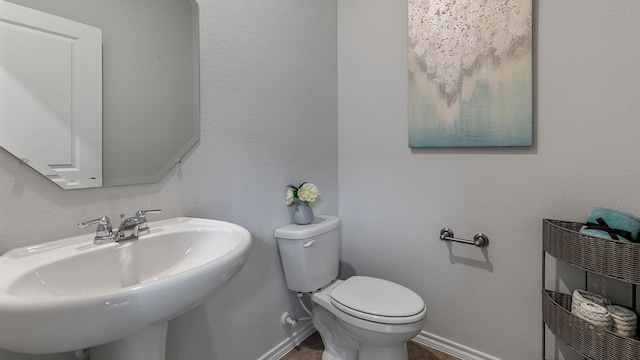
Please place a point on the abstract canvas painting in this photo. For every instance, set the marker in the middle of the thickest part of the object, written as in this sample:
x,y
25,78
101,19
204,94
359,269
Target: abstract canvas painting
x,y
470,73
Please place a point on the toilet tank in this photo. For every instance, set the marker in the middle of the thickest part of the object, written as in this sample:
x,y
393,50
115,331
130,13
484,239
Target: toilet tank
x,y
310,254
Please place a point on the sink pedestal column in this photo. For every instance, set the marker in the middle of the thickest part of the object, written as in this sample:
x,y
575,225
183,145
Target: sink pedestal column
x,y
147,344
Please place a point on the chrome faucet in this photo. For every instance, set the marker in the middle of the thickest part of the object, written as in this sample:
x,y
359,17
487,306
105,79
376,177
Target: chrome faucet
x,y
129,228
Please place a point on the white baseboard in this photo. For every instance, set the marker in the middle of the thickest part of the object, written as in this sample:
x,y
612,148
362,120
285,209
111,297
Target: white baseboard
x,y
433,341
449,347
302,332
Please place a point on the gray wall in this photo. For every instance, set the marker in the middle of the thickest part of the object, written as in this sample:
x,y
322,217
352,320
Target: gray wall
x,y
269,118
394,201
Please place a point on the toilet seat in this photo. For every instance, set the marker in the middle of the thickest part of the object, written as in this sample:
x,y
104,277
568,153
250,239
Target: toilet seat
x,y
378,300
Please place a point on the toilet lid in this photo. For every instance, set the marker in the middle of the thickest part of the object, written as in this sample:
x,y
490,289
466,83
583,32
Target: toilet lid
x,y
378,300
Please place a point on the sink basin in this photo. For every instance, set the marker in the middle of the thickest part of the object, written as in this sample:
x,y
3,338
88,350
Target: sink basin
x,y
70,294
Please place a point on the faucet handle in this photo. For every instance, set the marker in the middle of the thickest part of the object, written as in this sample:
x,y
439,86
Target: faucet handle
x,y
104,232
141,213
143,228
101,221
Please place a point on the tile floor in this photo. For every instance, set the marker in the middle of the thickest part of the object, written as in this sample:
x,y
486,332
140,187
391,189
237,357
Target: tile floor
x,y
311,349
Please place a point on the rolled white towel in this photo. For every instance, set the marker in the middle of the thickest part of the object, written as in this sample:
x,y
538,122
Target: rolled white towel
x,y
595,314
582,296
625,321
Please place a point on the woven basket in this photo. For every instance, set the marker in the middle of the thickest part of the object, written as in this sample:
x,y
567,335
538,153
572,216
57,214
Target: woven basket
x,y
610,258
593,342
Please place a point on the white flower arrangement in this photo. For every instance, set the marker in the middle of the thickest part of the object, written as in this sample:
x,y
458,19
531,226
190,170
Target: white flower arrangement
x,y
306,192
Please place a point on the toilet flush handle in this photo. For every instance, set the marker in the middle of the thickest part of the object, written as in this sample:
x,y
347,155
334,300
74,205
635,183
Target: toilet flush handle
x,y
309,244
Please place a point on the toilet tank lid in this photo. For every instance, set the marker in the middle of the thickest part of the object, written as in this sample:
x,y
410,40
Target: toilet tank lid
x,y
320,225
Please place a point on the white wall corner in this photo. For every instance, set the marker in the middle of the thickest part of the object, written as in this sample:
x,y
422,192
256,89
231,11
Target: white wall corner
x,y
449,347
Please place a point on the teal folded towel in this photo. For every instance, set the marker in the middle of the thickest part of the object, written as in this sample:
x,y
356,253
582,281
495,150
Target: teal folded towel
x,y
612,224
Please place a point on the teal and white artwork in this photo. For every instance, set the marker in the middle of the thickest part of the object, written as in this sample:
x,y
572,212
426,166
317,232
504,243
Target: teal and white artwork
x,y
470,77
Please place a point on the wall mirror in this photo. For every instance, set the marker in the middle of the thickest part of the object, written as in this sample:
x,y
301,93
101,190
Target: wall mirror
x,y
150,91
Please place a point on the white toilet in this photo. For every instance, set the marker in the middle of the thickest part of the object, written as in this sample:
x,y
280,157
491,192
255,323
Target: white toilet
x,y
362,317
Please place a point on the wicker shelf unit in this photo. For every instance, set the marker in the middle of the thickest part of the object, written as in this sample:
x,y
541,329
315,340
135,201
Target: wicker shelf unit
x,y
609,258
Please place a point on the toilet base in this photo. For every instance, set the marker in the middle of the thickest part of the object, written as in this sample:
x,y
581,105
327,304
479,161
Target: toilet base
x,y
345,342
338,345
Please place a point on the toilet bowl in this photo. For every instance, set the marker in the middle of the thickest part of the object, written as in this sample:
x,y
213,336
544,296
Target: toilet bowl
x,y
377,330
362,317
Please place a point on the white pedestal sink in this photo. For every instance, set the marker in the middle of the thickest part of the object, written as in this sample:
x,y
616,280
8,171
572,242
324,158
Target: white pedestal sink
x,y
116,298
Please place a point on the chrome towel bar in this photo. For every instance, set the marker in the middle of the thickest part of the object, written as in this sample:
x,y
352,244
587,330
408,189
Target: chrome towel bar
x,y
479,239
